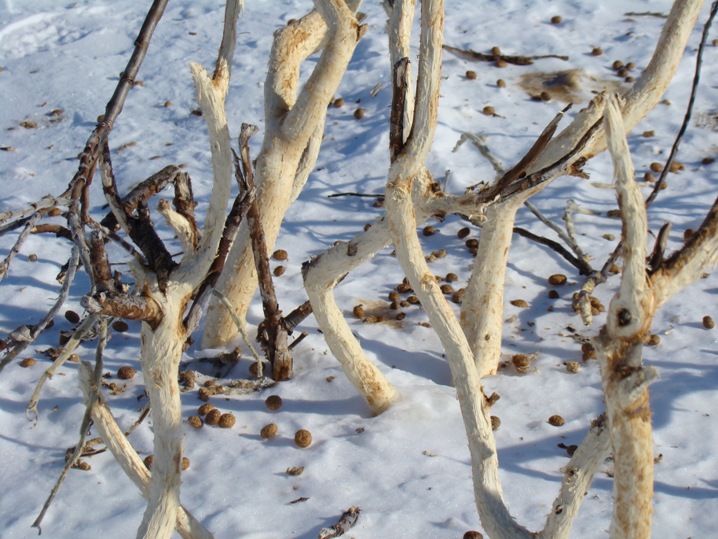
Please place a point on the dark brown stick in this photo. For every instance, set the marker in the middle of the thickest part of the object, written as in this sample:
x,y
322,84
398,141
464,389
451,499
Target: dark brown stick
x,y
516,60
400,83
560,249
275,333
527,160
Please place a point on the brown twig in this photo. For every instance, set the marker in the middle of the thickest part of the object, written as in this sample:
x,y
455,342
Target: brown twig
x,y
518,170
274,335
582,267
239,210
366,195
293,319
140,228
5,264
98,138
400,83
516,60
47,228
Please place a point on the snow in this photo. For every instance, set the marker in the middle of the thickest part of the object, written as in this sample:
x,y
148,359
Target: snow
x,y
407,469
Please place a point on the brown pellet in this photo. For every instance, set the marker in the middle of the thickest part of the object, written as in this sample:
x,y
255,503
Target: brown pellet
x,y
280,254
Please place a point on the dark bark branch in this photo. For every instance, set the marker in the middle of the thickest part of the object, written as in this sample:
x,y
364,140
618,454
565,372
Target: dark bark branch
x,y
656,259
516,60
297,316
124,306
335,195
98,138
274,335
400,75
527,160
140,229
184,203
120,241
138,197
582,267
239,210
567,165
59,230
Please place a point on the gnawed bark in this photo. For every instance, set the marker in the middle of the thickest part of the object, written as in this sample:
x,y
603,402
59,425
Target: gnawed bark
x,y
294,122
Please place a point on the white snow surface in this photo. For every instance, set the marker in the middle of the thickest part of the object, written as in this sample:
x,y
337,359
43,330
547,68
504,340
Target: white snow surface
x,y
407,469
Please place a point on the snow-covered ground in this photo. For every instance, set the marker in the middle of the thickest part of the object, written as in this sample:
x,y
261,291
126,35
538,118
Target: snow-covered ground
x,y
407,469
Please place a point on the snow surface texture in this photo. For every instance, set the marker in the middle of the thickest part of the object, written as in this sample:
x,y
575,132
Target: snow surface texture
x,y
408,469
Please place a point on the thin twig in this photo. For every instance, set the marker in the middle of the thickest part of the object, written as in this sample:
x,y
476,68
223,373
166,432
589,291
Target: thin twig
x,y
582,267
45,203
484,150
84,426
509,59
5,264
599,278
34,332
240,327
66,352
689,109
334,195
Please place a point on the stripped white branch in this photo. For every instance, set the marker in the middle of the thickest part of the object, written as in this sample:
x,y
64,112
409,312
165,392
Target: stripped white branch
x,y
577,477
625,380
482,306
126,456
294,121
626,312
162,345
